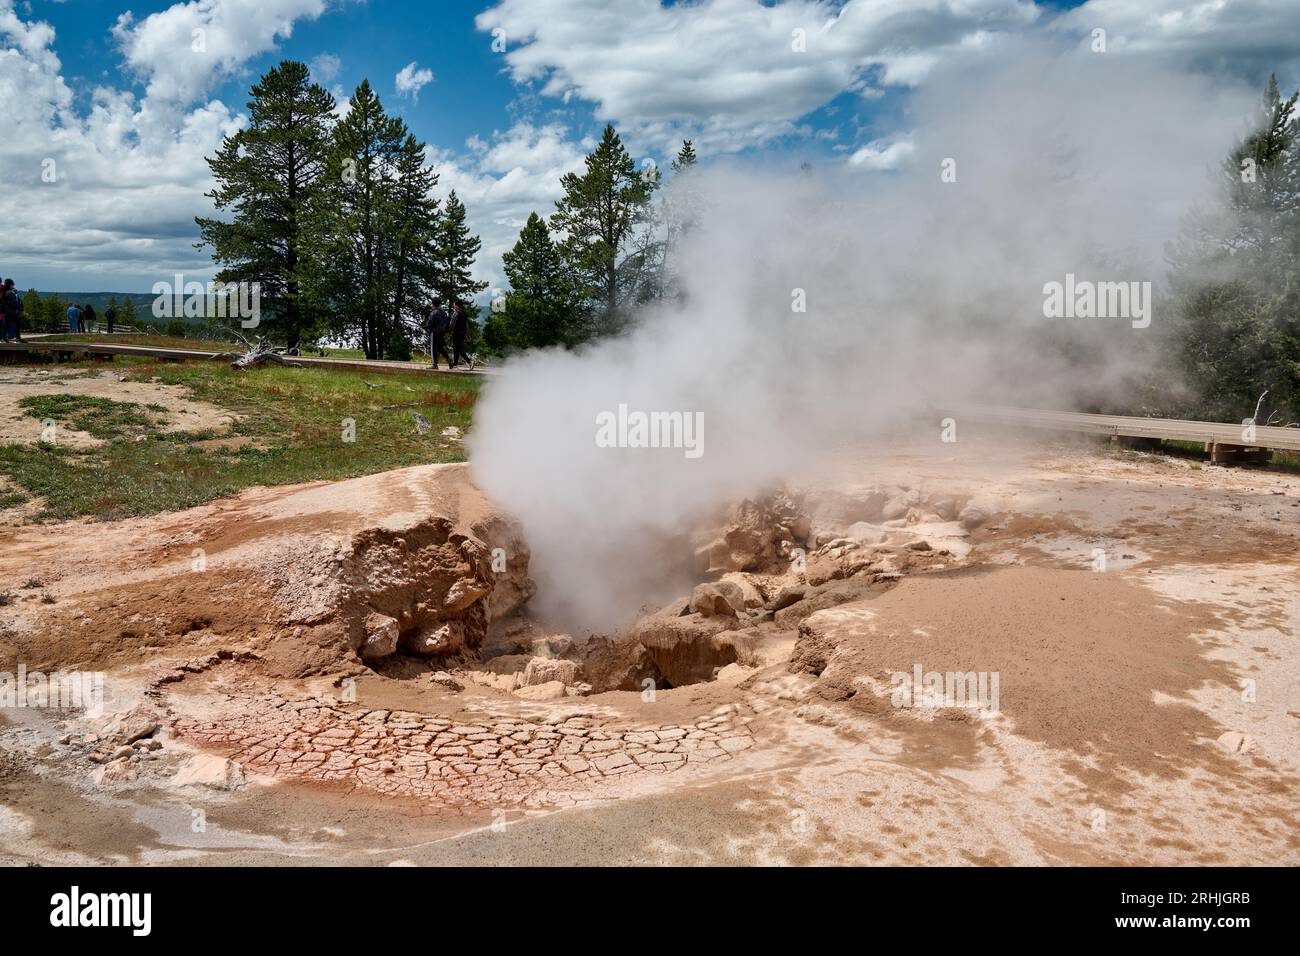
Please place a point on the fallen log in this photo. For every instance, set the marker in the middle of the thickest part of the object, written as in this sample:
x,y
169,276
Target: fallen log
x,y
257,353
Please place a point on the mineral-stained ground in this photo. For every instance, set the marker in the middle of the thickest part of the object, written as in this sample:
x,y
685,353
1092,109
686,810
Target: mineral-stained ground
x,y
351,672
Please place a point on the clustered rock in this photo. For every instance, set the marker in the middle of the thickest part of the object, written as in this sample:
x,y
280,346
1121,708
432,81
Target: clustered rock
x,y
778,559
118,744
531,677
429,589
759,532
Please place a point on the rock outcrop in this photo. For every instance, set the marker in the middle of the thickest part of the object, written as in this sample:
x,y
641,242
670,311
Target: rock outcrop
x,y
759,532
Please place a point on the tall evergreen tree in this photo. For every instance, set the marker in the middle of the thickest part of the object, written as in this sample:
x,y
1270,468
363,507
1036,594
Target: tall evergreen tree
x,y
415,225
54,313
541,306
267,175
1235,276
32,317
456,251
598,215
681,212
685,156
352,248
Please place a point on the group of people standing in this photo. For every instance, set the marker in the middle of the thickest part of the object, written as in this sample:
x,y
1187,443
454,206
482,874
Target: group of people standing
x,y
11,312
82,317
437,323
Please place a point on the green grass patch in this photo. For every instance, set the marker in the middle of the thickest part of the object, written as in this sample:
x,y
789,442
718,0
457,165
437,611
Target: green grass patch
x,y
293,422
12,499
100,417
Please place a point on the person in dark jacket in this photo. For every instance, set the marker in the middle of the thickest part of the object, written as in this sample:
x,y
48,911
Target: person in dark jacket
x,y
88,318
459,332
111,315
11,310
436,324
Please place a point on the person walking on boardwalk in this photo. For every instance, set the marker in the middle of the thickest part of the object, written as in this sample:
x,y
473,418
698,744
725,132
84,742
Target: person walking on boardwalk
x,y
436,324
459,332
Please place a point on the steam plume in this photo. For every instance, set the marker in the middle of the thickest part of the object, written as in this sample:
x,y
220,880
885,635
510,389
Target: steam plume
x,y
918,291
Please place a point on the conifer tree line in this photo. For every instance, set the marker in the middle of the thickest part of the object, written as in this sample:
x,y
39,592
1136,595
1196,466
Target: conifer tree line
x,y
49,312
336,218
605,250
1235,278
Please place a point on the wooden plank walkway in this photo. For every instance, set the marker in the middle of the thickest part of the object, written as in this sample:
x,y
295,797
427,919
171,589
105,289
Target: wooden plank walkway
x,y
36,344
1215,436
1127,426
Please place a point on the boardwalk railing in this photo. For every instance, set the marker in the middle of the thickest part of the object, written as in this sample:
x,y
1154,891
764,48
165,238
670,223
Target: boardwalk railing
x,y
1220,439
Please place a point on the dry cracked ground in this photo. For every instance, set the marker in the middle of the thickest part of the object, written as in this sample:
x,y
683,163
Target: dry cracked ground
x,y
350,673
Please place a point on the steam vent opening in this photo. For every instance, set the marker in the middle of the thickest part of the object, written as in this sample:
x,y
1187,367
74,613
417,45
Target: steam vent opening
x,y
430,603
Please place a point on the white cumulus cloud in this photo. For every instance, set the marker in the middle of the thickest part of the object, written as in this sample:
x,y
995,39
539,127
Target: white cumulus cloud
x,y
109,191
734,73
411,79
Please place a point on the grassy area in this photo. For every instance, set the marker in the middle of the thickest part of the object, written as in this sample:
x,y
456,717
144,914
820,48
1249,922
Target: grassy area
x,y
100,417
292,427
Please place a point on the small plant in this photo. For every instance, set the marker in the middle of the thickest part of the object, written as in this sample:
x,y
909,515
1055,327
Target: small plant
x,y
47,598
12,499
6,598
33,583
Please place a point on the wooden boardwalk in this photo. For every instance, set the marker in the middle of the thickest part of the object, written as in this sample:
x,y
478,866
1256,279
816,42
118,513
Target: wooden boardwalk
x,y
1222,440
36,344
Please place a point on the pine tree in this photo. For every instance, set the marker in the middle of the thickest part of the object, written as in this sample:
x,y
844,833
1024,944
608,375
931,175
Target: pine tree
x,y
32,315
53,313
685,156
1235,276
598,215
126,314
267,175
540,309
456,252
681,213
1267,202
416,231
351,247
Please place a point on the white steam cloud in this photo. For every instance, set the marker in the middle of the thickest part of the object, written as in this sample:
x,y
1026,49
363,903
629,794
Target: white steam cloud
x,y
919,292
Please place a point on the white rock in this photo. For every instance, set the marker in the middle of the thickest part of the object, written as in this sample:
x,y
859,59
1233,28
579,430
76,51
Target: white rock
x,y
864,533
382,632
1237,743
209,770
551,690
541,670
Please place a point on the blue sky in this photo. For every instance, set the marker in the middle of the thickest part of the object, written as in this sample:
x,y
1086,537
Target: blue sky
x,y
112,94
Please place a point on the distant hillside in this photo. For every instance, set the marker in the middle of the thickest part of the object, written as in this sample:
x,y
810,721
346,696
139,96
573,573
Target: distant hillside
x,y
143,302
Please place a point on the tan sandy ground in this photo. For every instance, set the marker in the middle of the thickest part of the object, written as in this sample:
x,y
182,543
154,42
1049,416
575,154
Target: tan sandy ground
x,y
1115,687
17,382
